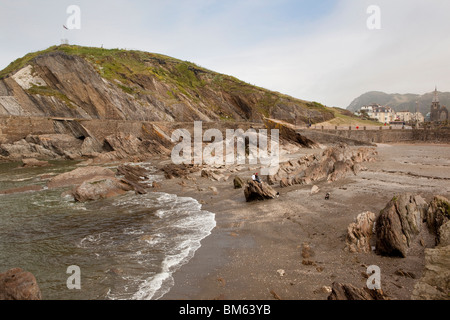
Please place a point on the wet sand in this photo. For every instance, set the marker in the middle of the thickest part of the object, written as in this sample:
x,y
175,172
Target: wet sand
x,y
253,241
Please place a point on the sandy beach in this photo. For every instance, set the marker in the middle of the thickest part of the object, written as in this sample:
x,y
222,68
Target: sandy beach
x,y
257,250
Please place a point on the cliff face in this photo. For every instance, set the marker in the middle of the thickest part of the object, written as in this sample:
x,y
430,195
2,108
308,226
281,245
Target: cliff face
x,y
92,83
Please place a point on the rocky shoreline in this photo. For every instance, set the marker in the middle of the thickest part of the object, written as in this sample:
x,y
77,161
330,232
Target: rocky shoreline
x,y
299,245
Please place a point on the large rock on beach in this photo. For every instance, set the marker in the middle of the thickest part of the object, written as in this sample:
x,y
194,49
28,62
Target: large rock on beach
x,y
100,188
259,191
435,281
398,224
238,183
360,232
438,214
17,284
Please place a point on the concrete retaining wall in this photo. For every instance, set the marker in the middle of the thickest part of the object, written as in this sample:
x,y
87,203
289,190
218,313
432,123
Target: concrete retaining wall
x,y
16,128
378,136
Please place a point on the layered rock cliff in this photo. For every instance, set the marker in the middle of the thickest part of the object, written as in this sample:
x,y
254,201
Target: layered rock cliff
x,y
92,83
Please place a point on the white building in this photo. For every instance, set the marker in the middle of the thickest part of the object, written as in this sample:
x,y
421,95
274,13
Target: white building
x,y
388,115
379,113
406,116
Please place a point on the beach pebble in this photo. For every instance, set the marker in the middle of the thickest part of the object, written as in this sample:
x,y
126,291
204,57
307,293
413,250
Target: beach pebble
x,y
281,272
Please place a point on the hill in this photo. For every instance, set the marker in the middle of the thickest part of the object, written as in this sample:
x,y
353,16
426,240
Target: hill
x,y
399,102
93,83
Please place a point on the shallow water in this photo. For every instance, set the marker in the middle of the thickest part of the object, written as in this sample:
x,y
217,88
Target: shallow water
x,y
126,247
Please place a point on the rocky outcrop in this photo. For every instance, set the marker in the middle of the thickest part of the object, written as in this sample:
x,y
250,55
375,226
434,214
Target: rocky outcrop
x,y
210,174
49,146
17,284
172,170
78,176
359,233
259,191
340,291
438,214
435,282
333,164
238,183
100,188
398,224
288,132
134,175
94,183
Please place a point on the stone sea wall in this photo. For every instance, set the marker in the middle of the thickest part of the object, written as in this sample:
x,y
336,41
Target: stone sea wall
x,y
377,136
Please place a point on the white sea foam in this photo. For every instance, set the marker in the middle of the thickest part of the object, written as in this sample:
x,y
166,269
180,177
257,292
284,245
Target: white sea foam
x,y
175,237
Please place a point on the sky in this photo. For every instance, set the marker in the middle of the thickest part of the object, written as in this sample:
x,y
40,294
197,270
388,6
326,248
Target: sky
x,y
329,51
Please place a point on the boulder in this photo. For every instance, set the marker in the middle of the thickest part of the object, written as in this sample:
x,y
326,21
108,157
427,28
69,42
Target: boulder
x,y
238,183
340,291
398,224
435,281
360,232
17,284
78,176
315,189
100,188
438,214
259,191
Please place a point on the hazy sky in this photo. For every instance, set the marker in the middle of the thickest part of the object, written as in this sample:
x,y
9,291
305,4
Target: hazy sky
x,y
310,49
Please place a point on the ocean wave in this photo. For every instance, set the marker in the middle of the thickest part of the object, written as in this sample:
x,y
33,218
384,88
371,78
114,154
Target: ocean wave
x,y
160,244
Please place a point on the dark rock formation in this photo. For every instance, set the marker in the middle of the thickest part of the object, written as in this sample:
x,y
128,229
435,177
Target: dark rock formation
x,y
438,214
288,132
349,292
17,284
238,183
259,191
360,232
135,176
398,224
172,170
435,281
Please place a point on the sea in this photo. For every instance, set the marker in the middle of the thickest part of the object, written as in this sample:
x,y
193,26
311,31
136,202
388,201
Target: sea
x,y
123,248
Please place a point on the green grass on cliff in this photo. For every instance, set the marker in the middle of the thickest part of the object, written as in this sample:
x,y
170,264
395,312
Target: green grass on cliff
x,y
47,91
126,67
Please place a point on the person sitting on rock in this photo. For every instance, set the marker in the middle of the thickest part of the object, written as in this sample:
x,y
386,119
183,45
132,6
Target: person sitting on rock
x,y
255,177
